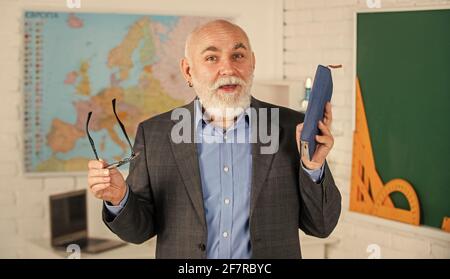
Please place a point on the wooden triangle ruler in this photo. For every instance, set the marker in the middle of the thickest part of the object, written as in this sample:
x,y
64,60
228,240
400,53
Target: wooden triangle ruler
x,y
368,193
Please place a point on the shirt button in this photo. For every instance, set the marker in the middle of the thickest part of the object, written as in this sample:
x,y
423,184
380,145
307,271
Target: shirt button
x,y
225,169
227,201
225,234
202,247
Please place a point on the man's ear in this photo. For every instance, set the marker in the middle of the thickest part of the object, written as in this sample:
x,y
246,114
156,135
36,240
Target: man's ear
x,y
186,69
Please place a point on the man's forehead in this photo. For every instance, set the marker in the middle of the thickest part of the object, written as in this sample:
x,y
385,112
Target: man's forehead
x,y
219,47
221,40
219,35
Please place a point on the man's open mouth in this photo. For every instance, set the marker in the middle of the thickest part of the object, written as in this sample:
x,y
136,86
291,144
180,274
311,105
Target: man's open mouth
x,y
229,87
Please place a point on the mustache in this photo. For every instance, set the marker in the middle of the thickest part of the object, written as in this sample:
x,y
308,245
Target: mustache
x,y
227,81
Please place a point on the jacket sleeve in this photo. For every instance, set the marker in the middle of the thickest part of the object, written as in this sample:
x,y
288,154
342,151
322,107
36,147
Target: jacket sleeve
x,y
136,221
320,204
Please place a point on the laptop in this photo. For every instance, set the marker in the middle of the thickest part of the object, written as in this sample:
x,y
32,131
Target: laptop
x,y
68,224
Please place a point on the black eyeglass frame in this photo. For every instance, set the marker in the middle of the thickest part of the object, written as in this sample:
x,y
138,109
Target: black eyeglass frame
x,y
118,163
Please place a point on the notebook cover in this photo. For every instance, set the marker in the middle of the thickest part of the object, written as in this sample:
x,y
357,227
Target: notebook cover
x,y
320,94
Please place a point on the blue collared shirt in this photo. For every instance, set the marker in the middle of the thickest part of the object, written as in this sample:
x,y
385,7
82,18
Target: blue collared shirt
x,y
225,169
225,163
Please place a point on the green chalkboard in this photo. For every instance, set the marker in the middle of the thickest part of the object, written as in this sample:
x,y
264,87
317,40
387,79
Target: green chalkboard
x,y
403,64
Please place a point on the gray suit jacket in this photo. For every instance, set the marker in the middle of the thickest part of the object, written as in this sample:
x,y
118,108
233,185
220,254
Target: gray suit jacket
x,y
165,197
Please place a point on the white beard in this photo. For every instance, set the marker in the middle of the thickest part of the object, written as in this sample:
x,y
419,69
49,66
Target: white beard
x,y
225,106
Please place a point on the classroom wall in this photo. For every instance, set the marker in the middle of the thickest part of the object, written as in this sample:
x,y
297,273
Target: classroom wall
x,y
24,214
322,31
314,31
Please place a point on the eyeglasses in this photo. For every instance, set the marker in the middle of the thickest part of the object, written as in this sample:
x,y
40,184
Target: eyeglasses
x,y
123,161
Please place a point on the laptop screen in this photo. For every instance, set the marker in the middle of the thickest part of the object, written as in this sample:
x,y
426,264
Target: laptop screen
x,y
68,217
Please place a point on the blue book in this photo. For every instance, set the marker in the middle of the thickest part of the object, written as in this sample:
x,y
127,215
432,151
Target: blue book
x,y
320,94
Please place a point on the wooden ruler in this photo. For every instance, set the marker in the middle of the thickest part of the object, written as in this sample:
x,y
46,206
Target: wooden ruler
x,y
446,224
368,193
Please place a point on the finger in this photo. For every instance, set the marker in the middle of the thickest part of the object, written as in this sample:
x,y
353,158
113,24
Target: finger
x,y
114,171
96,164
98,173
298,131
107,195
98,194
328,110
103,162
324,129
305,159
100,187
92,181
312,164
328,115
325,140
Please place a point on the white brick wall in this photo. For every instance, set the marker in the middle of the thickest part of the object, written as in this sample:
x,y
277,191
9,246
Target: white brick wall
x,y
59,184
24,200
410,243
395,240
315,31
321,32
440,251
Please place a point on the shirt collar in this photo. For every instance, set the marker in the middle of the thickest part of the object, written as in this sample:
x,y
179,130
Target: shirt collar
x,y
200,120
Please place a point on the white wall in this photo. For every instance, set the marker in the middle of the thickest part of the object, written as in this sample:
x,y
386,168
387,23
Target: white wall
x,y
322,31
24,201
315,31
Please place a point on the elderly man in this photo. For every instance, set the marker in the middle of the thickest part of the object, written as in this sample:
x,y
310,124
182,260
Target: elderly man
x,y
226,198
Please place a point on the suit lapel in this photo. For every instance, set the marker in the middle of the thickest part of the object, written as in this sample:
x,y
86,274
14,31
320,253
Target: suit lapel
x,y
186,158
261,163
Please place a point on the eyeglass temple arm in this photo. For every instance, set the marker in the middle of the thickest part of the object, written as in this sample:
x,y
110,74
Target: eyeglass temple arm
x,y
89,136
122,126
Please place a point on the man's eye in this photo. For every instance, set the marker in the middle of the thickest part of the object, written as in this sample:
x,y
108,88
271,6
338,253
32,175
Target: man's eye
x,y
211,58
238,56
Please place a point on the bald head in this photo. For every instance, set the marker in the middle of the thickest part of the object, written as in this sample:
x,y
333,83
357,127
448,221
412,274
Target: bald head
x,y
219,65
213,27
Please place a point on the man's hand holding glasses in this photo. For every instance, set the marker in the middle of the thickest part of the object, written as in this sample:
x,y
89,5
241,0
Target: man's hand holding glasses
x,y
106,184
105,180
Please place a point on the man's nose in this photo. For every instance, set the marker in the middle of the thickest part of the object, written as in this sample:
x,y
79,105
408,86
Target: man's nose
x,y
226,68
